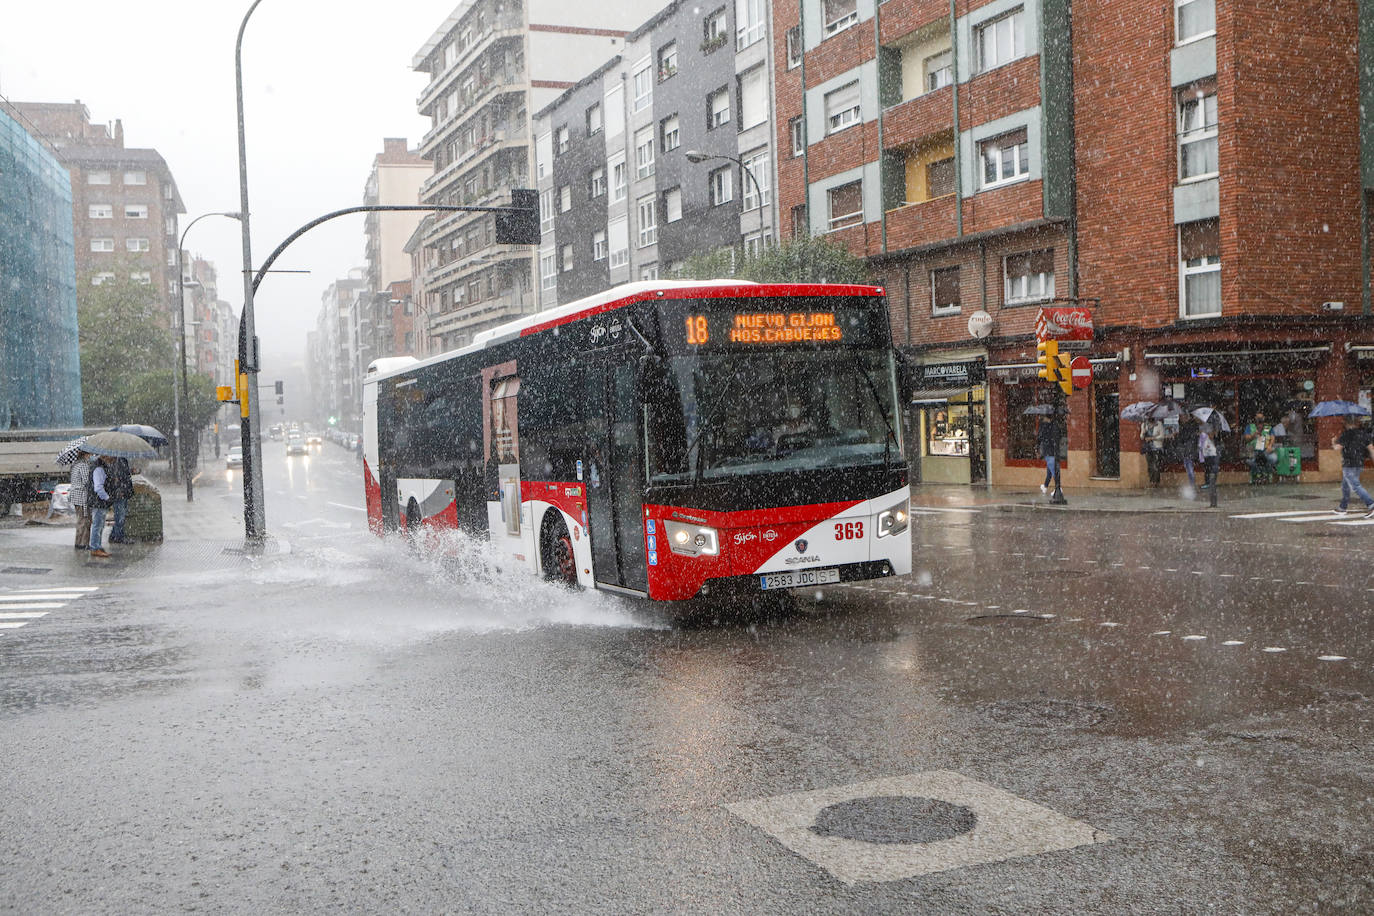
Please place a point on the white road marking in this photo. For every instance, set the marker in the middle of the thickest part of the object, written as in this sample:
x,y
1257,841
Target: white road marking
x,y
24,615
1357,522
1194,637
65,588
1324,517
1330,658
1326,512
1108,623
46,596
1275,649
35,606
7,625
1233,642
1162,633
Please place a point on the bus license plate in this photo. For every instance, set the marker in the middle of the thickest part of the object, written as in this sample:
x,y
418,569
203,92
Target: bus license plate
x,y
795,578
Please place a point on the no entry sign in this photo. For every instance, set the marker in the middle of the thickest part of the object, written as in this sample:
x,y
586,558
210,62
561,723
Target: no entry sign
x,y
1081,371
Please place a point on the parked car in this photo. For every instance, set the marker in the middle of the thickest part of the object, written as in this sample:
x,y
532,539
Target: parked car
x,y
235,457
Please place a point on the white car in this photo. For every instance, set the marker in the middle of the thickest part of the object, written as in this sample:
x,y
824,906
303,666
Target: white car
x,y
235,457
295,445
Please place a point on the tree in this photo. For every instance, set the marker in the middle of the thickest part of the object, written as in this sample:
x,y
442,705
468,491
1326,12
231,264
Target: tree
x,y
122,332
809,259
150,401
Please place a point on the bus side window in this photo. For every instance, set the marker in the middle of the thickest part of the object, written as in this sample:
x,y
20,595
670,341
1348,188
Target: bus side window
x,y
666,428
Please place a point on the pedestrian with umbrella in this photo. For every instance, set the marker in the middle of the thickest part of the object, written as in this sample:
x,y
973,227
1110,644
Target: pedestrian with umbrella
x,y
1354,443
80,480
109,446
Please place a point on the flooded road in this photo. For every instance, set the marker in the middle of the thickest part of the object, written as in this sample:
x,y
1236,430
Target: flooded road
x,y
1047,717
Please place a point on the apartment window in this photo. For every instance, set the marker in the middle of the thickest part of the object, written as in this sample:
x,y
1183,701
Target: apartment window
x,y
171,225
794,47
801,226
596,184
648,221
172,258
756,163
142,277
720,186
644,153
618,177
100,211
749,23
1195,19
718,108
548,271
594,119
842,108
546,210
756,243
565,198
1029,277
98,177
599,245
543,154
618,234
944,291
648,272
1197,134
1000,40
753,99
1005,158
1199,255
846,205
104,276
839,15
796,129
567,252
671,133
135,211
714,30
939,70
940,178
560,140
672,205
667,61
136,244
136,177
643,84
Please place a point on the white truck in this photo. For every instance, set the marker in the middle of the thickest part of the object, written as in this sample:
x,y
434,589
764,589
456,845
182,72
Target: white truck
x,y
28,463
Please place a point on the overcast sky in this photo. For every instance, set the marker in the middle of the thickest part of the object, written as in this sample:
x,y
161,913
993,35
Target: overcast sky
x,y
323,84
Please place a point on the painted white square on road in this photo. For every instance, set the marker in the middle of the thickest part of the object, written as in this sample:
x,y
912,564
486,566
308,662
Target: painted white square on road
x,y
1005,827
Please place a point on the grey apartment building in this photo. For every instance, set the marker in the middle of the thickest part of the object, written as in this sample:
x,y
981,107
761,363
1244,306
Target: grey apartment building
x,y
491,63
619,198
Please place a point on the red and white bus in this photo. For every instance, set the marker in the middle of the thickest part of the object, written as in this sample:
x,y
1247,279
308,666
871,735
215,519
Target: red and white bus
x,y
666,439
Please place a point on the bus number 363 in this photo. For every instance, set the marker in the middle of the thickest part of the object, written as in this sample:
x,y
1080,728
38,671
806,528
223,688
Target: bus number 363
x,y
849,531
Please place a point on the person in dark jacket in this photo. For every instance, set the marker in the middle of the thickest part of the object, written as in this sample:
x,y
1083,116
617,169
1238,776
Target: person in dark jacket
x,y
121,488
99,499
1189,429
1047,442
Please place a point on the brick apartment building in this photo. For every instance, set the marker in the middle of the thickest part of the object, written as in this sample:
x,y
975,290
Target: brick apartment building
x,y
396,176
1187,172
124,201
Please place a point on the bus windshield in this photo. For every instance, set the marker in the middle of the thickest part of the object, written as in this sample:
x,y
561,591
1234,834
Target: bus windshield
x,y
727,414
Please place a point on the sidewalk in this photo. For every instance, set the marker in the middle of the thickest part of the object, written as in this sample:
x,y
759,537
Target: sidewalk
x,y
206,533
1231,498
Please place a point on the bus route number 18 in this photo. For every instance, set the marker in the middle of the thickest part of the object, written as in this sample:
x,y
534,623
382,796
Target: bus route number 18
x,y
696,329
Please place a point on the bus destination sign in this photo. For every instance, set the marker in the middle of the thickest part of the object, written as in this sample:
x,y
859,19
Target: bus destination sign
x,y
764,328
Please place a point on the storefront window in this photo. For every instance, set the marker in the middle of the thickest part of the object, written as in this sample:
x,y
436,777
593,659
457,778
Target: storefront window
x,y
947,429
1285,400
1021,426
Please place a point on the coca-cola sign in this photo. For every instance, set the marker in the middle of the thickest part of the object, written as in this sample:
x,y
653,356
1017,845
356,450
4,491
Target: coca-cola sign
x,y
1064,324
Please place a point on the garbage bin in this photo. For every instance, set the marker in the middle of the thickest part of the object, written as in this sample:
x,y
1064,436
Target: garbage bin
x,y
1290,461
144,519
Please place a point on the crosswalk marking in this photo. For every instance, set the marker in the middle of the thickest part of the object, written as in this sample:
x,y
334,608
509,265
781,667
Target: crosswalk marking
x,y
1326,512
1303,516
22,607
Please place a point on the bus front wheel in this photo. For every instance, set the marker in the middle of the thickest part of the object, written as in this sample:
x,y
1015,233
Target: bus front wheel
x,y
556,553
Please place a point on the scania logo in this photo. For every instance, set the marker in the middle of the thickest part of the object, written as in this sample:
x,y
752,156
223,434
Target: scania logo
x,y
770,535
801,545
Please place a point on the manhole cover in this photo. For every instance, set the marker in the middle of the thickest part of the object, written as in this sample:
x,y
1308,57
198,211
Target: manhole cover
x,y
894,819
1047,714
26,570
1008,620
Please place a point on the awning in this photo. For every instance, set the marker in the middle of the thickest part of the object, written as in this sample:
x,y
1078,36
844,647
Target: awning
x,y
936,395
1278,351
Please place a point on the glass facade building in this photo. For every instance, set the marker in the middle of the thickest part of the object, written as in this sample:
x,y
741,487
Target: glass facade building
x,y
40,363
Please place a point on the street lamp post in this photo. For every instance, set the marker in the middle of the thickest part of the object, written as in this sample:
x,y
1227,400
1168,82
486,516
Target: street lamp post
x,y
179,389
698,156
254,513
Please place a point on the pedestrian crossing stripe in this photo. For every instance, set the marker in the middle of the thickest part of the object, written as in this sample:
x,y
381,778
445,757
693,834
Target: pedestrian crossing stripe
x,y
22,607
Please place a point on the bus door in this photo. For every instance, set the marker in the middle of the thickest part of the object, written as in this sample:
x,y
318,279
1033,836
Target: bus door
x,y
615,492
504,431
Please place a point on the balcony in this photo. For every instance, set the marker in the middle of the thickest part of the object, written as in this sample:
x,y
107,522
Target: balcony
x,y
913,120
460,268
925,223
482,93
482,150
504,27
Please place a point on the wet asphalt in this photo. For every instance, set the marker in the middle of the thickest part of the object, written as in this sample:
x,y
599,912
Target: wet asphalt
x,y
1180,704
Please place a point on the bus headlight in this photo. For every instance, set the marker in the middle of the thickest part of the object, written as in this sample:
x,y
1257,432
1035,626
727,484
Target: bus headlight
x,y
894,520
692,540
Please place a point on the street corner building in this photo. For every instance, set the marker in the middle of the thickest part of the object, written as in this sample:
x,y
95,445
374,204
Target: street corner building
x,y
1175,192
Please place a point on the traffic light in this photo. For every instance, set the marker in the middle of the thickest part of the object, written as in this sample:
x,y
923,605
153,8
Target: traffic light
x,y
1047,355
279,389
520,224
1065,374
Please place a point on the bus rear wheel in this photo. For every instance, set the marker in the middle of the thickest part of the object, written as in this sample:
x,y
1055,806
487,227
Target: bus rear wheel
x,y
556,556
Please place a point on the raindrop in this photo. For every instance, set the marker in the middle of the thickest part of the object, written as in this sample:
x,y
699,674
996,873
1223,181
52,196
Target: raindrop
x,y
1108,623
1161,632
1331,658
1194,637
1275,649
1233,642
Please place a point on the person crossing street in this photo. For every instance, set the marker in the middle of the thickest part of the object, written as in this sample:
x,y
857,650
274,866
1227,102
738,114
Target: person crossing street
x,y
1354,443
